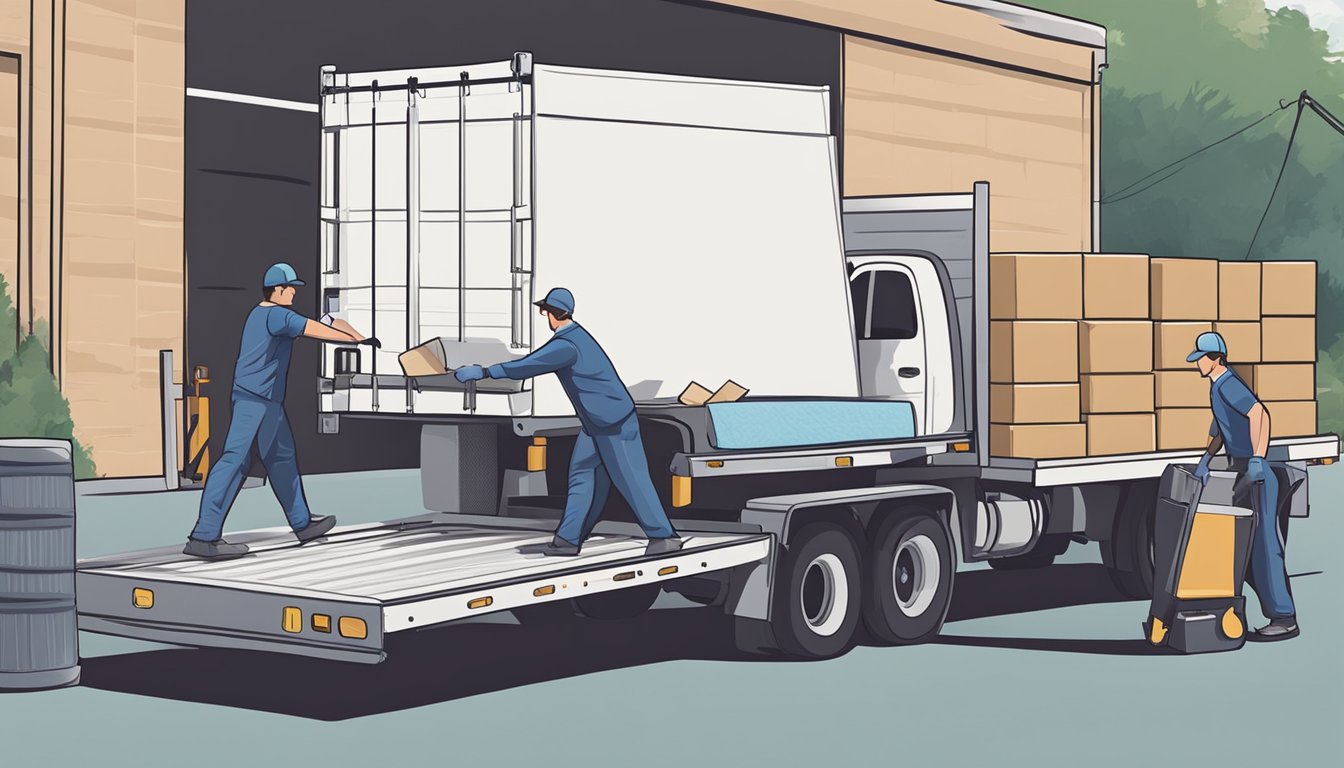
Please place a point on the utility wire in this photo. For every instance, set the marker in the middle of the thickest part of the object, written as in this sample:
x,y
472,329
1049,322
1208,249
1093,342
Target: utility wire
x,y
1301,103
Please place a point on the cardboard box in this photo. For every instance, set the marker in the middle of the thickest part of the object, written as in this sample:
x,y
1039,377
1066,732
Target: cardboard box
x,y
1288,340
1184,289
1033,403
1296,418
1288,288
1112,433
1239,290
1243,341
1117,393
1282,381
697,394
1172,342
1034,352
1036,286
1115,346
1183,428
1115,286
1038,441
428,359
1181,389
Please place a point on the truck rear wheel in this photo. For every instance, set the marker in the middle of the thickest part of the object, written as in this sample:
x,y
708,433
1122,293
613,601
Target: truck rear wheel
x,y
1128,555
909,584
817,593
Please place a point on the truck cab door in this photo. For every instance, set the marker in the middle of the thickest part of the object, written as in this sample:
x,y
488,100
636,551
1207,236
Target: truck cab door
x,y
888,320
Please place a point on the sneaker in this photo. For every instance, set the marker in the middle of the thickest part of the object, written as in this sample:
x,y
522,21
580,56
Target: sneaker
x,y
218,549
317,527
556,547
1277,629
663,546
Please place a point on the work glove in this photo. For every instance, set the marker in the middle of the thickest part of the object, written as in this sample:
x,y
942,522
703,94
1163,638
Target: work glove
x,y
469,373
1257,469
372,341
1202,470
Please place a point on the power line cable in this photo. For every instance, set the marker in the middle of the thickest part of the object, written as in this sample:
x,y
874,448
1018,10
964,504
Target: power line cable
x,y
1301,103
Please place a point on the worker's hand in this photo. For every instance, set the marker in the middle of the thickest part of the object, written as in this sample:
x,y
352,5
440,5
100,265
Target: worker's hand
x,y
371,341
469,373
1257,469
1202,470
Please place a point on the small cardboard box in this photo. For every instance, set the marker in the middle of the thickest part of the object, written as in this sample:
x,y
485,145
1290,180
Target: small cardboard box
x,y
1115,286
1239,290
1295,418
697,394
1035,286
1033,403
1117,393
1183,428
1243,341
1173,342
1034,352
1288,288
1181,389
424,360
1282,381
1112,433
1115,346
1184,289
1288,340
1038,441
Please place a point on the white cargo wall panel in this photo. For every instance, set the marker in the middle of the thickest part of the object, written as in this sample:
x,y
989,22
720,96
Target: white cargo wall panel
x,y
696,222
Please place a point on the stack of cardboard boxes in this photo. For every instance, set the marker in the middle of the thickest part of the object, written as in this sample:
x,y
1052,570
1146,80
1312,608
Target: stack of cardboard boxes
x,y
1087,352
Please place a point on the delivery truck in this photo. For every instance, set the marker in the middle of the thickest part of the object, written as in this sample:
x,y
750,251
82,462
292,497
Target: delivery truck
x,y
914,402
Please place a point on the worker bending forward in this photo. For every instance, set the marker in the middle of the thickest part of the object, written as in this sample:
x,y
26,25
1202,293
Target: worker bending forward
x,y
609,449
1241,423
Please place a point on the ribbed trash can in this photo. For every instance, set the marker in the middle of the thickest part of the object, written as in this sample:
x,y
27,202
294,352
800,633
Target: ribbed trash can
x,y
39,639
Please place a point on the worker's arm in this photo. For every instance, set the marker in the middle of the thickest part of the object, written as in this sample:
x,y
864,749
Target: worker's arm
x,y
552,356
315,330
349,329
1259,418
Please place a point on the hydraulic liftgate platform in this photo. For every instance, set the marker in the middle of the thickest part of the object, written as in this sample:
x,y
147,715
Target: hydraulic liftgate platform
x,y
338,598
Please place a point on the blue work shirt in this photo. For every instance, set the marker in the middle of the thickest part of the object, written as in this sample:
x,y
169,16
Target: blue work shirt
x,y
1232,401
263,355
586,373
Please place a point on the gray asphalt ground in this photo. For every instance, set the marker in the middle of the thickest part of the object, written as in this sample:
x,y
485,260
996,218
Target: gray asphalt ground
x,y
1036,668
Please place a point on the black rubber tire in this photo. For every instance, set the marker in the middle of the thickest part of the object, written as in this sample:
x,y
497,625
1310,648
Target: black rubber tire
x,y
1128,554
817,575
883,616
621,604
1047,549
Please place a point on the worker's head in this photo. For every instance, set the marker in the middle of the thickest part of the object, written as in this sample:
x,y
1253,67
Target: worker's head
x,y
279,284
1210,353
558,307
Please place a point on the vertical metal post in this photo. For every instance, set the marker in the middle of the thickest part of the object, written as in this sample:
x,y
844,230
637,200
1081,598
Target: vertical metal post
x,y
168,394
515,251
462,208
412,227
373,233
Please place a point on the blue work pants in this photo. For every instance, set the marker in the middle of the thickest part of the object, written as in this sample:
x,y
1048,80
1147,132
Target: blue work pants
x,y
603,460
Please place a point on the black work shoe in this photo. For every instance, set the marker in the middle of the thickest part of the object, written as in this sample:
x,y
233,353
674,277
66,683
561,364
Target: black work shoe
x,y
556,547
663,546
214,550
318,525
1278,629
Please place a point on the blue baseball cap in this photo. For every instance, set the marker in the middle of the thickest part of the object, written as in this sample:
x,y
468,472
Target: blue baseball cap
x,y
559,299
280,273
1206,343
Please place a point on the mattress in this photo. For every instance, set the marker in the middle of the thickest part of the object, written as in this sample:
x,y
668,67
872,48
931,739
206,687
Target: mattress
x,y
750,424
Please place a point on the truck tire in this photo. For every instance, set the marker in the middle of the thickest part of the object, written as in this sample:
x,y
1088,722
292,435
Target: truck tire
x,y
909,586
817,593
1044,554
1128,554
621,604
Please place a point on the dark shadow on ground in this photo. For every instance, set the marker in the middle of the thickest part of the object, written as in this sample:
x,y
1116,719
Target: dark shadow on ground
x,y
979,594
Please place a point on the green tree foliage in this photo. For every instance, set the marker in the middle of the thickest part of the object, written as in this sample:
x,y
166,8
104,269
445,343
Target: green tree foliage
x,y
30,403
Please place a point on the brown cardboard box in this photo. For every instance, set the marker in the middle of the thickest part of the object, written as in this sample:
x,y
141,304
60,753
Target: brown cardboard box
x,y
1173,342
1243,341
1115,346
1117,393
1184,289
1115,286
1288,288
1181,389
1038,441
1288,340
1239,290
1295,418
1290,381
1183,428
1033,403
424,360
1036,286
1112,433
1034,352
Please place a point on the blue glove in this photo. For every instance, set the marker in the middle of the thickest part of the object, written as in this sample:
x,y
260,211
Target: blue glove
x,y
1202,471
1257,469
469,373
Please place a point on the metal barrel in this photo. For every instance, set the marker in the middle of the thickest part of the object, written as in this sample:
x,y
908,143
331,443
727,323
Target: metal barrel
x,y
39,638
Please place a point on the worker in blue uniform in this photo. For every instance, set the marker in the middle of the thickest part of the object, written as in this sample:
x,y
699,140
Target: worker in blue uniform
x,y
608,450
1241,424
259,417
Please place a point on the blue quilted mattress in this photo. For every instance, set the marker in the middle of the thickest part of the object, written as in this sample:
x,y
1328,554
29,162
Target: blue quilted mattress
x,y
759,424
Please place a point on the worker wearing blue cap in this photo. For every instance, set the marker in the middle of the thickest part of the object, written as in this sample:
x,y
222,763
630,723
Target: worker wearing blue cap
x,y
259,417
1241,424
609,450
